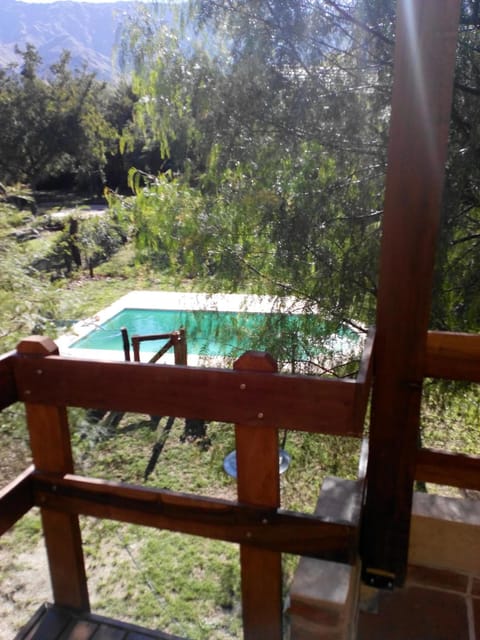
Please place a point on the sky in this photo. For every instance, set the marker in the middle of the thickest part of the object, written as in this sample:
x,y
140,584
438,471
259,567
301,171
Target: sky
x,y
90,1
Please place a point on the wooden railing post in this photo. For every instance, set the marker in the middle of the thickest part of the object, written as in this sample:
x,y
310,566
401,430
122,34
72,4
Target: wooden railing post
x,y
136,348
51,451
258,484
126,343
421,101
180,346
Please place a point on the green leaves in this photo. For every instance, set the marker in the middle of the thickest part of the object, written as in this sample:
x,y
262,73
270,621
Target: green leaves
x,y
54,126
165,215
269,139
27,304
277,133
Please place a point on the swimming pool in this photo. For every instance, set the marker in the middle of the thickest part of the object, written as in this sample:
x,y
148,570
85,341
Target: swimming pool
x,y
209,333
217,326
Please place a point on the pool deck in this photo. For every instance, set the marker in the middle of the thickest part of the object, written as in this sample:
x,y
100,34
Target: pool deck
x,y
171,300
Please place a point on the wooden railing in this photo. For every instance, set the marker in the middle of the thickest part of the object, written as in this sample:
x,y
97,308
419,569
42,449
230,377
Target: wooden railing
x,y
253,396
451,356
176,340
258,400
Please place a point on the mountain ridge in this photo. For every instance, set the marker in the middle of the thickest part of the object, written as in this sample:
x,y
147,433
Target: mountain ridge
x,y
89,31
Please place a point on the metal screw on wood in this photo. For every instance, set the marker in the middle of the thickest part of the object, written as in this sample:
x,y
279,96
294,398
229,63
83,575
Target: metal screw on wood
x,y
243,386
260,415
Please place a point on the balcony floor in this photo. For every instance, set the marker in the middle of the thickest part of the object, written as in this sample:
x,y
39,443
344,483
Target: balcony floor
x,y
56,623
434,605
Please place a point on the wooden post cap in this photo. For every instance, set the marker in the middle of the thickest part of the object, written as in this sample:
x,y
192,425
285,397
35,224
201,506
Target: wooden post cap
x,y
256,361
37,346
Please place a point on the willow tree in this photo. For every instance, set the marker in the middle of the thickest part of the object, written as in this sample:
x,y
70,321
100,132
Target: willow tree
x,y
279,124
274,124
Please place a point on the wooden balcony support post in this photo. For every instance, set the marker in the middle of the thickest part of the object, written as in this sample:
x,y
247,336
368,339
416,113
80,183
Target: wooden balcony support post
x,y
51,451
426,38
259,485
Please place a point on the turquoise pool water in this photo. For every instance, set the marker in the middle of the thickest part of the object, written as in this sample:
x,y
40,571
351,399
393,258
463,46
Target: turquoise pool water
x,y
212,333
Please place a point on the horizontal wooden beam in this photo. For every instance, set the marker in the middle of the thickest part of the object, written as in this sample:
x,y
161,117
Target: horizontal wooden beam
x,y
8,389
452,469
207,517
243,397
16,499
453,356
153,336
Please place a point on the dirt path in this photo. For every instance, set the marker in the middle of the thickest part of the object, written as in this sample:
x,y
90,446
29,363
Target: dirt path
x,y
25,584
82,212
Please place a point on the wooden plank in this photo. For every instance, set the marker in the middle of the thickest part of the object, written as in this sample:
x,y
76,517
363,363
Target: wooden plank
x,y
80,630
160,353
152,336
67,624
52,624
180,347
423,78
126,344
297,402
453,356
49,438
16,499
137,340
65,558
453,469
110,633
27,631
110,629
51,452
139,635
208,517
364,383
258,484
8,390
50,444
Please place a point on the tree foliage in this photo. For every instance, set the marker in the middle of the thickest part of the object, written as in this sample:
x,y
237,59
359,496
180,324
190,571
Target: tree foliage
x,y
456,300
52,126
28,304
277,132
268,130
